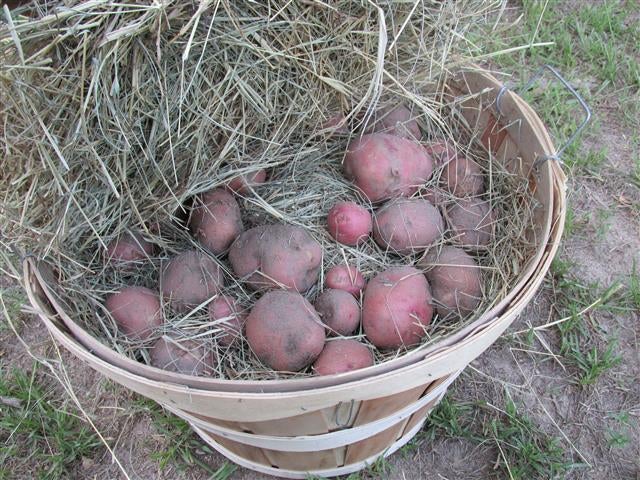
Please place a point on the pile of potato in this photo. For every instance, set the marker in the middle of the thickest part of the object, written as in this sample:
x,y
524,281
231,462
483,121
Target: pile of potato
x,y
443,227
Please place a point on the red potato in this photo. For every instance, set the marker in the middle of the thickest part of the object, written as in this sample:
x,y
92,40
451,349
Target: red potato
x,y
349,223
398,121
136,311
455,281
242,184
188,357
436,196
407,225
341,356
127,248
347,278
189,279
471,222
284,331
384,166
216,220
276,256
462,177
442,152
397,307
225,309
339,311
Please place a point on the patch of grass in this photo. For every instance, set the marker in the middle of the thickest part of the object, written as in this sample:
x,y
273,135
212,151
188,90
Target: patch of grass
x,y
12,300
183,448
633,291
619,437
450,418
35,429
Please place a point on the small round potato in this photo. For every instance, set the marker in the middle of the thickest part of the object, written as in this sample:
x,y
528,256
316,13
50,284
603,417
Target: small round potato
x,y
349,223
442,152
284,331
216,220
407,225
189,279
397,307
276,256
242,184
341,356
136,311
225,309
471,222
398,121
339,311
462,177
347,278
188,357
384,166
455,281
128,248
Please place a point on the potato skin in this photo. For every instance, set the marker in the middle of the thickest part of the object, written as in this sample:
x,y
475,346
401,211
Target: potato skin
x,y
471,223
188,357
216,220
347,278
462,177
284,331
398,121
455,280
397,306
226,307
242,184
442,152
128,248
136,311
189,279
339,311
349,223
276,256
407,225
384,166
341,356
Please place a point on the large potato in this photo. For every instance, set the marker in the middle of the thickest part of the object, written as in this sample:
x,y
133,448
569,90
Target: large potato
x,y
384,166
128,248
407,225
216,220
136,311
471,223
339,311
224,310
189,357
284,331
347,278
189,279
462,177
349,223
398,121
397,307
276,256
455,281
341,356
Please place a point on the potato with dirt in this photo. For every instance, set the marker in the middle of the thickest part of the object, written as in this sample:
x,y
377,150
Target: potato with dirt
x,y
225,312
384,166
349,223
128,249
189,279
462,177
455,279
284,331
136,311
471,222
215,220
407,225
347,278
243,183
188,357
341,356
339,311
276,256
397,308
398,121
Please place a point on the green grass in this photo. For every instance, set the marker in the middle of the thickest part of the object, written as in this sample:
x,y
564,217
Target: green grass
x,y
184,449
37,430
12,299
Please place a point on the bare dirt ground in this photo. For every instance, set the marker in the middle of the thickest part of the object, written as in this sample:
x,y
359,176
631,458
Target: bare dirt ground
x,y
583,407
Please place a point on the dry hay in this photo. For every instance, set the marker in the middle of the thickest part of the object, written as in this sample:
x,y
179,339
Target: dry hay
x,y
117,114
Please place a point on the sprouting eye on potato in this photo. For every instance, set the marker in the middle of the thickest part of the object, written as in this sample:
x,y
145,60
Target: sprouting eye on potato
x,y
276,256
215,220
188,357
136,311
